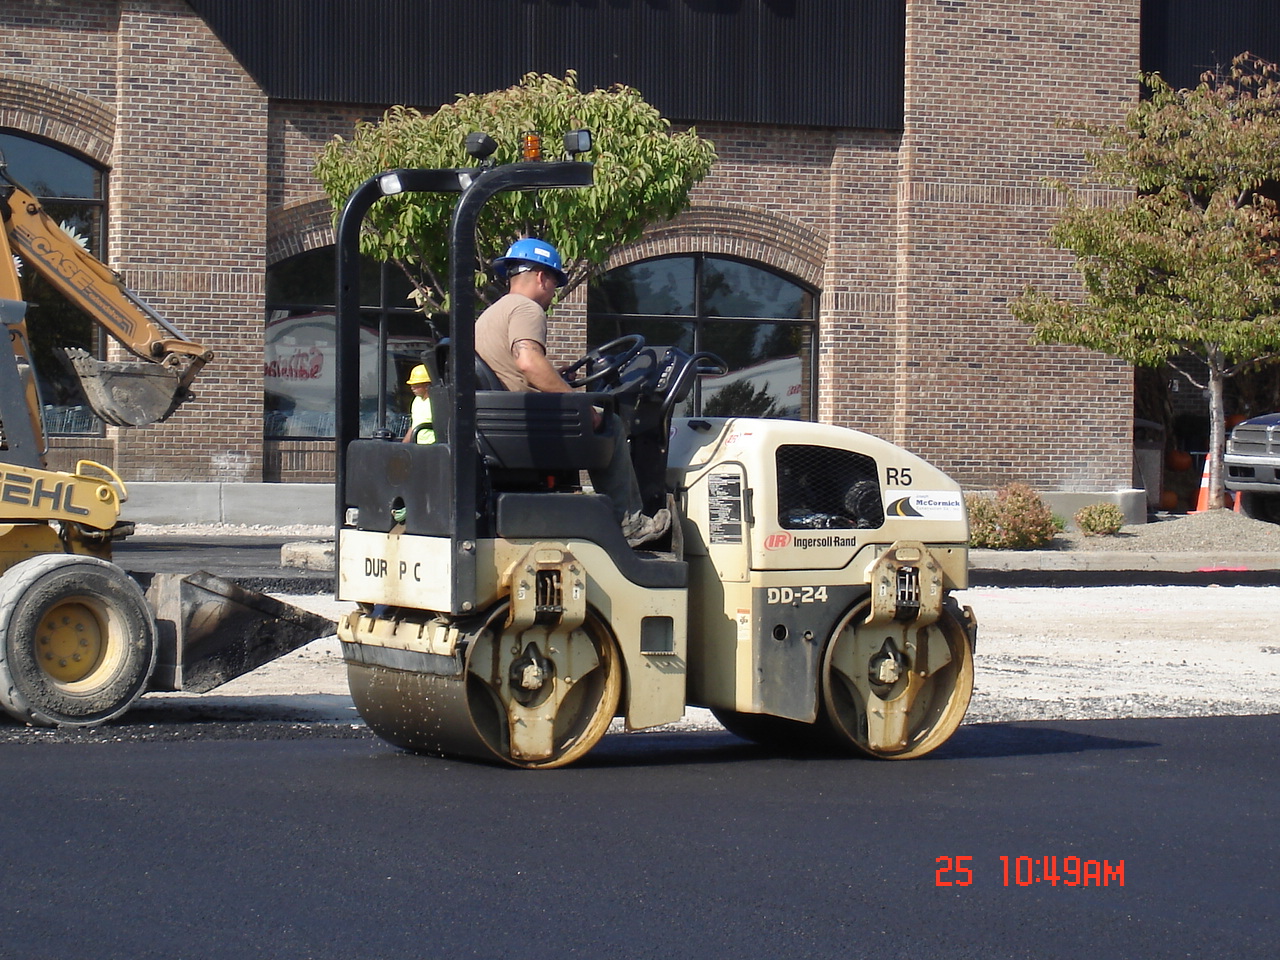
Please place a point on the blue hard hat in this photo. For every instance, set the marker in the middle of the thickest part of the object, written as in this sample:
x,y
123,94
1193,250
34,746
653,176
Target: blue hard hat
x,y
535,251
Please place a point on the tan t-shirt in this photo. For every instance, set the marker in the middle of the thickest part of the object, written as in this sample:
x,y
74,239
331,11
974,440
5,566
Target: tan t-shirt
x,y
512,318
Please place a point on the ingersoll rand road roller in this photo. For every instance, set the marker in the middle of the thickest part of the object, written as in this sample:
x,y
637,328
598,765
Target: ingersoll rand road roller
x,y
803,592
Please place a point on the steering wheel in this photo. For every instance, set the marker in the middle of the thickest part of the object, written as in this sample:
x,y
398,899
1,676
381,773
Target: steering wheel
x,y
611,357
684,370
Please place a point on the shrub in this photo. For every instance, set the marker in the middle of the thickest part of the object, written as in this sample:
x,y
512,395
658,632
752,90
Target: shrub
x,y
1099,519
1016,518
984,527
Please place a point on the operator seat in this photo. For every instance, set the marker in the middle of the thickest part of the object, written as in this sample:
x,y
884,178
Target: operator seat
x,y
523,435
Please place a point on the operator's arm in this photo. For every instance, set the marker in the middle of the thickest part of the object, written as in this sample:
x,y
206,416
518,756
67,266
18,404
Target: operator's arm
x,y
538,372
531,359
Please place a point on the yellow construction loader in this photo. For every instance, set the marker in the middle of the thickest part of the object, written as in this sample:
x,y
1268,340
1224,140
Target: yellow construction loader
x,y
803,593
80,641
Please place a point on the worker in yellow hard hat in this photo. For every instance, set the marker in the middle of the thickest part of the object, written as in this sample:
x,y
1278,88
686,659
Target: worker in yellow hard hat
x,y
421,424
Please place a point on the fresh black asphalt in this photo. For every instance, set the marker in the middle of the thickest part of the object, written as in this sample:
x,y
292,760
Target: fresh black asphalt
x,y
277,841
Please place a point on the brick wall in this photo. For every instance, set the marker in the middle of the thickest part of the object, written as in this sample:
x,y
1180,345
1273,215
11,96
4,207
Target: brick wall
x,y
188,200
986,82
916,240
186,148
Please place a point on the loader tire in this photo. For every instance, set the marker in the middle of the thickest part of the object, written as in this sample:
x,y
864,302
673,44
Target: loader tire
x,y
77,641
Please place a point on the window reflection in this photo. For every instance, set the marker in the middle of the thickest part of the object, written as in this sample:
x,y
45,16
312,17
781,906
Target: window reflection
x,y
768,370
299,364
731,288
72,192
311,277
48,171
659,287
656,332
768,343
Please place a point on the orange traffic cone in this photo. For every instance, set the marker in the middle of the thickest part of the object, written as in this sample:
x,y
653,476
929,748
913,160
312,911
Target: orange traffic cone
x,y
1237,498
1202,498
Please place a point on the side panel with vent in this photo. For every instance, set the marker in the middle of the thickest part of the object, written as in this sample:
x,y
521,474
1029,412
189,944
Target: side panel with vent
x,y
823,488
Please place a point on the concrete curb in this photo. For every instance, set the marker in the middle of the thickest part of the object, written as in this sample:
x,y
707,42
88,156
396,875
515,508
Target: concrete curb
x,y
240,503
317,555
1120,560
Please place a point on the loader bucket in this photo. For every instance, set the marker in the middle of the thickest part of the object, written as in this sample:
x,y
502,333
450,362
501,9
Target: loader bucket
x,y
211,630
127,394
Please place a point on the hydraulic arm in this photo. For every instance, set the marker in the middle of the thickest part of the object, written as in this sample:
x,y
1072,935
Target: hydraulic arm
x,y
127,394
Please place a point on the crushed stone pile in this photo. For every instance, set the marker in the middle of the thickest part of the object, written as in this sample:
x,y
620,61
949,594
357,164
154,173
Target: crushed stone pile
x,y
1213,530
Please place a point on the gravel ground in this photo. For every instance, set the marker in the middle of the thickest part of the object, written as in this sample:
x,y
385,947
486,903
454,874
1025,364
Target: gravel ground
x,y
1076,653
1213,531
1043,653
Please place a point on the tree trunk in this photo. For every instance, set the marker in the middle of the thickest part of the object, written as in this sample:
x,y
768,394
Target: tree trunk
x,y
1217,430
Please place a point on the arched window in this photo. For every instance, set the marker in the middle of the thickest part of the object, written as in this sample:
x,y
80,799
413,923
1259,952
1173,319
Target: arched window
x,y
761,323
73,192
299,363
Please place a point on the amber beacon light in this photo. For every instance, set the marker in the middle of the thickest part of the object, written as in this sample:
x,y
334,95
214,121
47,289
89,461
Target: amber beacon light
x,y
530,146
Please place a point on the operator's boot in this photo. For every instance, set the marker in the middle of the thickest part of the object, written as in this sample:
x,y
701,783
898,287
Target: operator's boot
x,y
640,529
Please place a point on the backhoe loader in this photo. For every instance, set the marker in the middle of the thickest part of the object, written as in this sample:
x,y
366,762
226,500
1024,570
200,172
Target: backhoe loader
x,y
803,593
80,641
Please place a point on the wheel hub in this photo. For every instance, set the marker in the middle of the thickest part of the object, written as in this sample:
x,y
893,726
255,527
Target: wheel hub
x,y
529,675
69,644
887,666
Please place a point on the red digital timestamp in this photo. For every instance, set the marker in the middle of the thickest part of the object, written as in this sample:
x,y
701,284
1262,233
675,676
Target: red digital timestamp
x,y
1027,871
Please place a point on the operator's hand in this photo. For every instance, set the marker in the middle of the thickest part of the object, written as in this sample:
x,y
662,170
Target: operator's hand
x,y
597,419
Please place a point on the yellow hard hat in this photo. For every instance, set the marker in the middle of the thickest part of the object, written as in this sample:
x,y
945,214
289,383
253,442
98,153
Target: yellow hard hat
x,y
419,375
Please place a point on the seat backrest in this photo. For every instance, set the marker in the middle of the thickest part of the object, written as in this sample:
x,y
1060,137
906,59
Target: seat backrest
x,y
437,362
543,431
486,379
527,431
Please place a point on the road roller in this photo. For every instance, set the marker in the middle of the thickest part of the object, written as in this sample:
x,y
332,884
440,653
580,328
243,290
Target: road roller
x,y
803,592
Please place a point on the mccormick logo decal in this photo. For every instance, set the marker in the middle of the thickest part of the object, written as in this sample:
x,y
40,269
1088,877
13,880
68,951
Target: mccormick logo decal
x,y
930,505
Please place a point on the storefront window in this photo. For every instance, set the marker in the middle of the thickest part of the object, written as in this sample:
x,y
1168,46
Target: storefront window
x,y
72,192
759,322
300,364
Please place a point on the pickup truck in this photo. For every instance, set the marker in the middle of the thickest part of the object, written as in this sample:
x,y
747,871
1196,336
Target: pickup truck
x,y
1253,466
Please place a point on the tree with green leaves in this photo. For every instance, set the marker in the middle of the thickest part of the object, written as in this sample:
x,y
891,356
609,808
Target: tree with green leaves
x,y
643,173
1190,266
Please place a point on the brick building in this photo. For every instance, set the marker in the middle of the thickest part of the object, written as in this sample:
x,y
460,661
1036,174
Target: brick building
x,y
911,235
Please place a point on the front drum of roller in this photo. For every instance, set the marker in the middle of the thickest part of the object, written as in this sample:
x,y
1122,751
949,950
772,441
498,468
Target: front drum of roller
x,y
473,714
421,712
